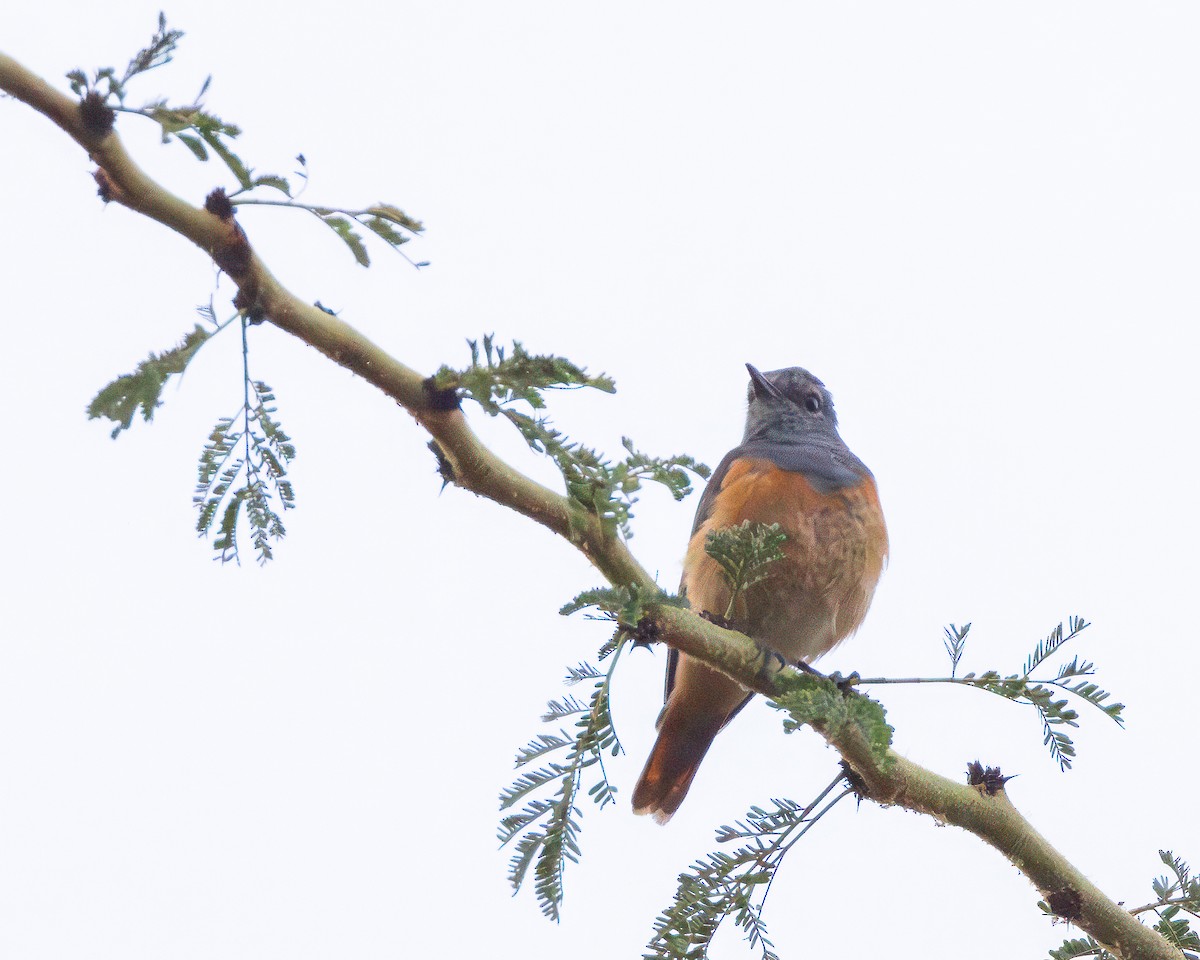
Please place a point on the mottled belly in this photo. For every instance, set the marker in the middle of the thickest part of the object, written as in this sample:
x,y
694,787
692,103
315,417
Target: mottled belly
x,y
818,594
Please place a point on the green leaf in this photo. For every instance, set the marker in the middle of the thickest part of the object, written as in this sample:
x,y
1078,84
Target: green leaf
x,y
194,144
274,181
79,81
1055,715
745,554
155,54
498,378
1046,648
226,540
1177,931
262,470
543,744
387,211
816,701
549,828
955,644
1082,947
342,227
621,604
213,138
504,377
121,399
736,883
385,231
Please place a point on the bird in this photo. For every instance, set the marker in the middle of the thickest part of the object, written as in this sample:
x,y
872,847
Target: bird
x,y
791,468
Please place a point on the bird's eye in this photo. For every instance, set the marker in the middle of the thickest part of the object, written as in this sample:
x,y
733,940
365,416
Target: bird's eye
x,y
812,403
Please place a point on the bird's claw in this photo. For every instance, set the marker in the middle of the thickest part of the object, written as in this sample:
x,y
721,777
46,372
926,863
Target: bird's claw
x,y
847,683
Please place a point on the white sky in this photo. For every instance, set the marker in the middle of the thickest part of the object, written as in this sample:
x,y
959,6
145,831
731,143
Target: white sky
x,y
977,223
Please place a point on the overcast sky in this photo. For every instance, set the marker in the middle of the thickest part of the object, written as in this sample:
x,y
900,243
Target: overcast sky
x,y
976,223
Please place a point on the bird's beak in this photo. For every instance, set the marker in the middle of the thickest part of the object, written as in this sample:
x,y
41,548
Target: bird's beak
x,y
763,388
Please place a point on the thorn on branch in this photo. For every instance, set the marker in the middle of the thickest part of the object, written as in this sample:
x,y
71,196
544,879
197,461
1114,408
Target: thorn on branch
x,y
445,398
1066,903
988,779
106,187
857,784
646,633
97,116
445,468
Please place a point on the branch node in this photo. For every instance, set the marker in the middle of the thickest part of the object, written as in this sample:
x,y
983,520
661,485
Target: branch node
x,y
218,204
1066,903
97,116
233,256
646,633
246,301
444,398
988,779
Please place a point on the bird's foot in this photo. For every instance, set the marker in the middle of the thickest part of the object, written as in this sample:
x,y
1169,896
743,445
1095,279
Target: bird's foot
x,y
848,683
844,684
770,662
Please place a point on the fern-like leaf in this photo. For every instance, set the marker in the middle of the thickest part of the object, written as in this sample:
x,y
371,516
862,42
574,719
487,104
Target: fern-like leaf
x,y
105,81
956,643
262,469
549,828
498,378
745,554
1080,947
543,744
342,227
736,884
1178,932
1047,647
1056,715
121,399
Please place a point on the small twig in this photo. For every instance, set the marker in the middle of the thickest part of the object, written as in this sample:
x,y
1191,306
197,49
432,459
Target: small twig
x,y
1158,904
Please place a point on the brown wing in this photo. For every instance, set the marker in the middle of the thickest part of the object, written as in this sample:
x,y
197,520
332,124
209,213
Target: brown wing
x,y
703,509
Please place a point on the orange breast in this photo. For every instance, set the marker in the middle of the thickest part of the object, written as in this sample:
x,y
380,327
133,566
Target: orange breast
x,y
834,554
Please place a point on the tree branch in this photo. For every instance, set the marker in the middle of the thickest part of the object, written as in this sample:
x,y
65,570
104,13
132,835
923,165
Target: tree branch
x,y
891,780
474,467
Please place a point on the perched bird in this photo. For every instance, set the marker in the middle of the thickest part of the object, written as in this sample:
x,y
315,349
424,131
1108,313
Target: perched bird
x,y
791,468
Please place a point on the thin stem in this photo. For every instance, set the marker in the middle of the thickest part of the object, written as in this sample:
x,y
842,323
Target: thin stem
x,y
251,470
310,207
221,326
783,848
878,680
608,679
603,695
1172,902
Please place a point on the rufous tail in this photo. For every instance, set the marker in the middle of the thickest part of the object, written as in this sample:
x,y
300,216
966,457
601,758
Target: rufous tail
x,y
683,740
